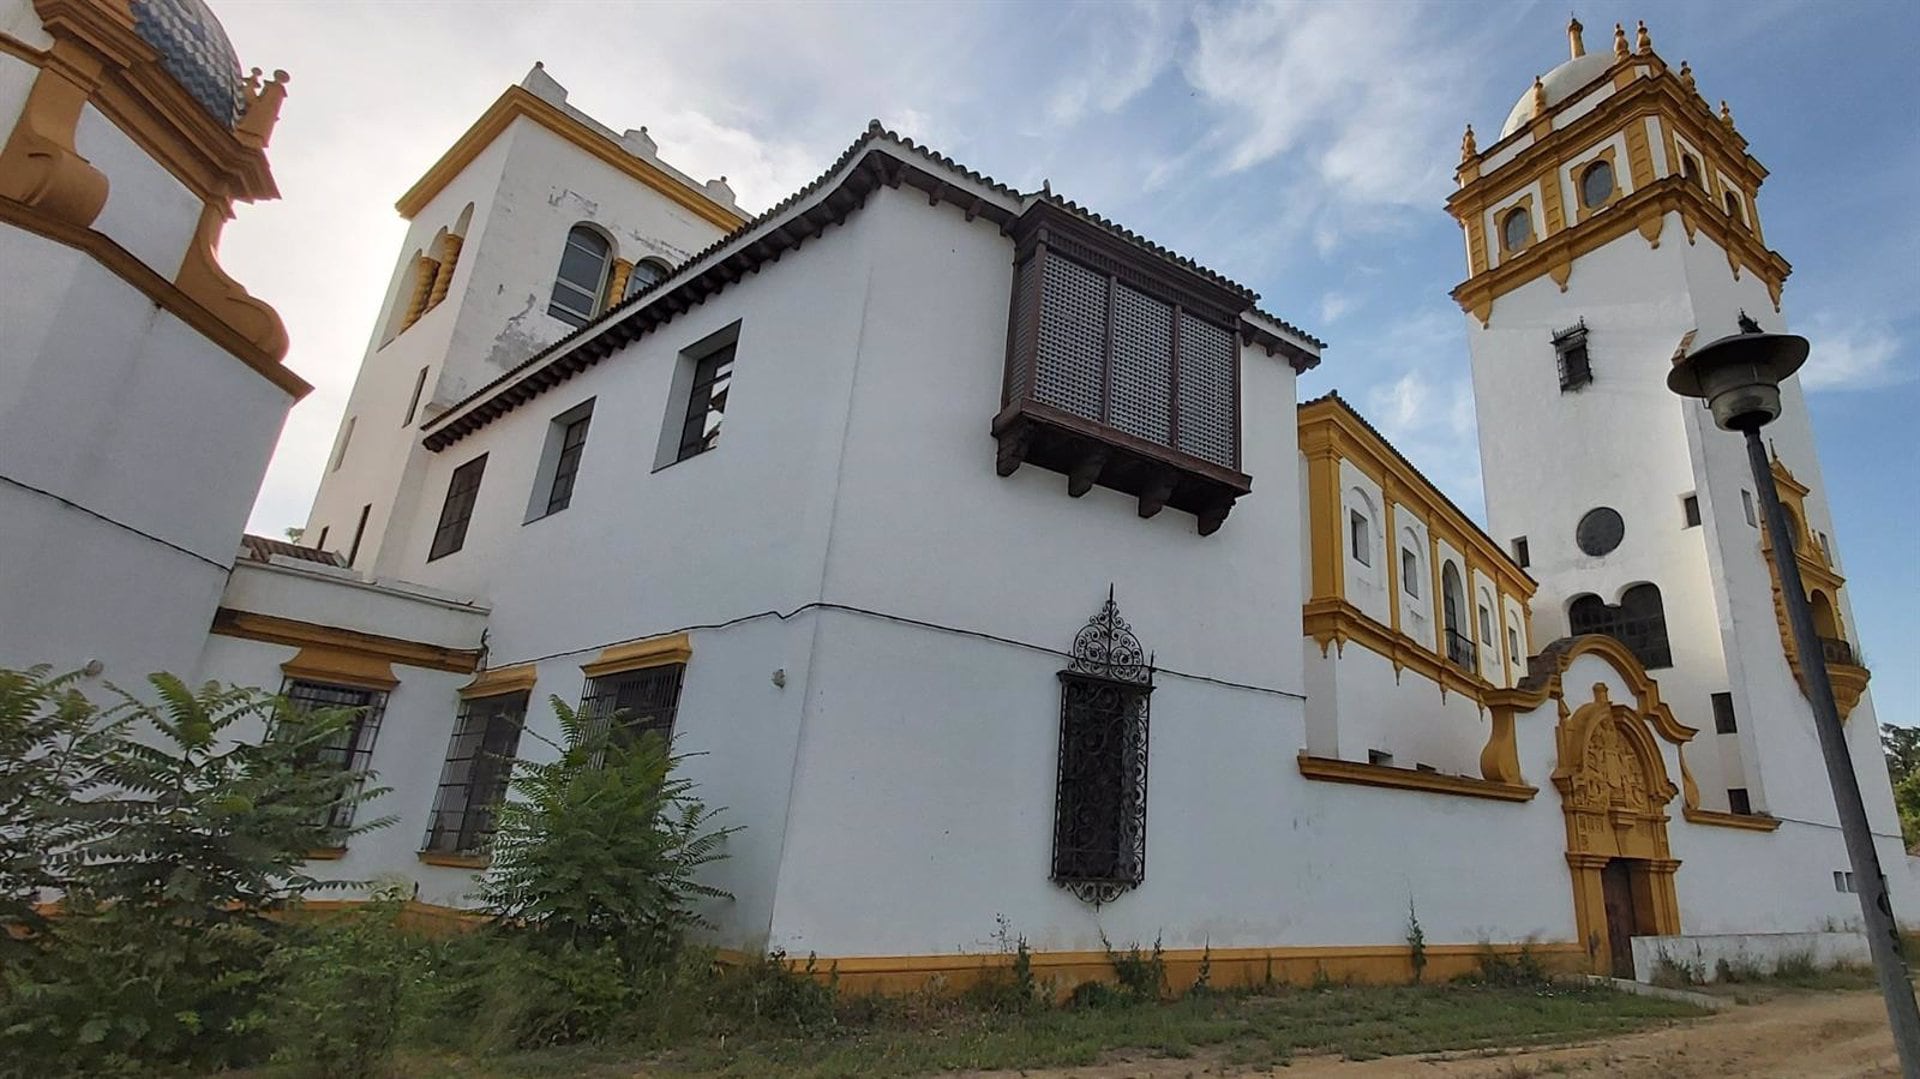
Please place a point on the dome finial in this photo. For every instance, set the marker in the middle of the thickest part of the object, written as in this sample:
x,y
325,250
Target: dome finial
x,y
1574,44
1686,76
1643,41
1469,149
1539,97
1620,42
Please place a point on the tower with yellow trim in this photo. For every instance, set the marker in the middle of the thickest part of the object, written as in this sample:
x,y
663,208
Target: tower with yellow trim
x,y
1611,223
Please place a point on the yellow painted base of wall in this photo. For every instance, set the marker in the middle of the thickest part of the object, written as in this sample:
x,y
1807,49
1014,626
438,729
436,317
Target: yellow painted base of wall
x,y
1228,968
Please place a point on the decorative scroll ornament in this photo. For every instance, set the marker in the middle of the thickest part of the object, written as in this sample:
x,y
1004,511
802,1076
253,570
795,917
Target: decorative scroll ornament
x,y
1100,806
1106,648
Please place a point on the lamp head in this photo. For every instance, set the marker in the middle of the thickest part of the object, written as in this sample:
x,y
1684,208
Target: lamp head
x,y
1740,376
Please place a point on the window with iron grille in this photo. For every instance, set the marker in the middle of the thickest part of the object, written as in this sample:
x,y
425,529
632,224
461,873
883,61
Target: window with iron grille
x,y
636,702
1638,621
1570,354
706,403
1123,371
474,780
451,534
573,442
1100,794
1723,721
351,748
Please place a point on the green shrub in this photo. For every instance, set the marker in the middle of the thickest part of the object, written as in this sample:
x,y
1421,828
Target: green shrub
x,y
1142,976
342,988
770,992
600,846
1521,970
1010,988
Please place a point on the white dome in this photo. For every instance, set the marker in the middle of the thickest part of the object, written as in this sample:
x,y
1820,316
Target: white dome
x,y
1561,82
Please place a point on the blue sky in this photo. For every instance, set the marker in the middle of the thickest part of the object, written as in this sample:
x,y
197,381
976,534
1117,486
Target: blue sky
x,y
1304,149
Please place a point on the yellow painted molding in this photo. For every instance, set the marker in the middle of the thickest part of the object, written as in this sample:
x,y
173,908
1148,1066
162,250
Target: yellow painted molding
x,y
319,663
326,854
500,681
1752,822
273,629
656,652
1377,775
164,294
1335,623
454,861
518,101
202,278
39,165
1541,685
14,47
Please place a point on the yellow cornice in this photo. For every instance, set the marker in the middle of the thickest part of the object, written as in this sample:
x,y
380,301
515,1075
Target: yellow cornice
x,y
1525,697
273,629
1376,775
1333,623
1330,426
655,652
501,681
518,101
164,294
1752,822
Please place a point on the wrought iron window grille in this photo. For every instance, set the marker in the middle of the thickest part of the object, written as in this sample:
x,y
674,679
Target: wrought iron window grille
x,y
1570,356
478,769
1638,621
351,748
633,703
463,489
1100,799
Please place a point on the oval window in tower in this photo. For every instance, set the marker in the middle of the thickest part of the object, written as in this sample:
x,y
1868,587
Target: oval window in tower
x,y
1515,229
1600,531
1596,185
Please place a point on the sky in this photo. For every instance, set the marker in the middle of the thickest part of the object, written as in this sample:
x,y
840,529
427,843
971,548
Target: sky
x,y
1303,149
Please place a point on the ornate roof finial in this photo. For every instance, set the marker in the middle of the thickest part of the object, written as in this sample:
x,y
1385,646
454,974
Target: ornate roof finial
x,y
1686,76
1620,42
1539,97
1468,148
1726,114
1643,41
1574,44
263,109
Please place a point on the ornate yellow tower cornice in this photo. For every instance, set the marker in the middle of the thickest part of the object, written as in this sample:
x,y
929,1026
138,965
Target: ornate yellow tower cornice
x,y
1667,152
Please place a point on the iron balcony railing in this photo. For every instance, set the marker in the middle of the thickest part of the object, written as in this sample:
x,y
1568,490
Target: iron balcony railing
x,y
1460,650
1837,651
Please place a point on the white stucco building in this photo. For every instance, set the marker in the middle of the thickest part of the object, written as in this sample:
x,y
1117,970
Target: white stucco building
x,y
979,550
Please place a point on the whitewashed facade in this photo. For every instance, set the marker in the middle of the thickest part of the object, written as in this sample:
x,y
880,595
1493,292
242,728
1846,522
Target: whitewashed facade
x,y
849,495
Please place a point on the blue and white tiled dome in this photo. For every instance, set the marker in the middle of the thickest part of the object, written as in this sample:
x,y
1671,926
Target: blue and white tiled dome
x,y
194,49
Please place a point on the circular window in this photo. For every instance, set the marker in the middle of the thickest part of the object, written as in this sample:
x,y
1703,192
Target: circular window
x,y
1596,185
1600,531
1515,228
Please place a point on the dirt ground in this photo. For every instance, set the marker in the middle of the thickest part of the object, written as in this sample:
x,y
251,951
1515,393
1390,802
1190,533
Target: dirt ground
x,y
1830,1035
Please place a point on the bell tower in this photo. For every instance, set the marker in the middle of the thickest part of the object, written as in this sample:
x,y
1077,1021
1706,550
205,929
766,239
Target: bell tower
x,y
1612,224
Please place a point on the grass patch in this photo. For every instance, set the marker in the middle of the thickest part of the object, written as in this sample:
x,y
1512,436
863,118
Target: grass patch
x,y
929,1036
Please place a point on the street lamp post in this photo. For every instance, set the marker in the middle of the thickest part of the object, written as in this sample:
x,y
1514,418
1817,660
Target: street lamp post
x,y
1739,377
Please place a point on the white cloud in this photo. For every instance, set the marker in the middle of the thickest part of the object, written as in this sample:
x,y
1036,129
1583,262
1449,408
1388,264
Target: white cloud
x,y
1334,305
1128,46
1851,356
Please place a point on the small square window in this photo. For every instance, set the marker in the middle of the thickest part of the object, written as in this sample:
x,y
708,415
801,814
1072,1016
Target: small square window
x,y
1357,538
1690,507
1520,554
1723,722
1738,802
1746,504
1409,573
1839,881
1570,355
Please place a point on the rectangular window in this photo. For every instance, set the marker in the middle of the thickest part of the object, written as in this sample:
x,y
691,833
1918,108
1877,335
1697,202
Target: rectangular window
x,y
1570,354
706,403
1746,503
1100,793
1826,549
346,436
1380,757
1513,645
1843,881
359,532
1737,801
413,403
1723,722
1409,573
321,543
1520,554
1690,506
636,702
573,440
451,533
1486,625
474,780
351,749
1357,538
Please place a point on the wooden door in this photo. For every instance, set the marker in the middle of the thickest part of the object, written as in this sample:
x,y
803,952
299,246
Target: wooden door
x,y
1616,886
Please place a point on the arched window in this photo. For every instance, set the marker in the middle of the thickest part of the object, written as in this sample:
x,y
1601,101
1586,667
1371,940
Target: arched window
x,y
1639,622
1453,605
1516,228
645,273
1825,622
1690,168
1596,184
1733,208
582,278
